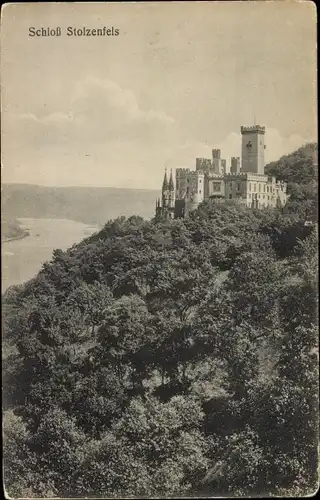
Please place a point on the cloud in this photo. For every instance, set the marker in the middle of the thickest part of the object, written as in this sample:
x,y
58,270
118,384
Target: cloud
x,y
105,137
107,112
99,111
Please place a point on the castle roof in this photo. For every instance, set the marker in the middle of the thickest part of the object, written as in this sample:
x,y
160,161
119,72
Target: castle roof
x,y
165,182
171,184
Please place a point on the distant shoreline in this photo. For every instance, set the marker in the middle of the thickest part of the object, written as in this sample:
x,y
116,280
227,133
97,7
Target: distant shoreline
x,y
6,240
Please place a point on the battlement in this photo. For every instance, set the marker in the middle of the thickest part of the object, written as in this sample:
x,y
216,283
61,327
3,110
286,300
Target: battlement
x,y
188,172
182,170
196,173
235,158
203,160
254,128
216,153
238,174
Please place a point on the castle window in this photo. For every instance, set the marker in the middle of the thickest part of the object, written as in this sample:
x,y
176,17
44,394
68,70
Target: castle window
x,y
230,196
255,187
259,188
199,191
249,195
264,188
238,186
250,186
216,186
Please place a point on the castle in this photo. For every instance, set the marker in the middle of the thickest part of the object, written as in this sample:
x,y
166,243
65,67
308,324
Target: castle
x,y
247,184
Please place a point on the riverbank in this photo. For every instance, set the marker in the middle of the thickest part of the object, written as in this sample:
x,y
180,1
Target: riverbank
x,y
15,238
23,257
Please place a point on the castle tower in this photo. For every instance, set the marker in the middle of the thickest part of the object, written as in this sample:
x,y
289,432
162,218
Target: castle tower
x,y
235,165
253,149
216,161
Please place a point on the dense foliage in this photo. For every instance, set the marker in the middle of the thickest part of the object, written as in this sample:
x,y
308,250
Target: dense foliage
x,y
168,358
300,170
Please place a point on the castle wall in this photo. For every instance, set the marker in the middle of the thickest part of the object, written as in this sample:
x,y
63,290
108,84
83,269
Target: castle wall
x,y
204,164
246,187
216,186
190,184
181,182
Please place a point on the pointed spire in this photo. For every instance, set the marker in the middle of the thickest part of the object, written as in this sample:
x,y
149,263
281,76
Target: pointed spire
x,y
165,182
171,185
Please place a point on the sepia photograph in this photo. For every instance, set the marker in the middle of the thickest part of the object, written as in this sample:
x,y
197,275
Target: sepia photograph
x,y
159,249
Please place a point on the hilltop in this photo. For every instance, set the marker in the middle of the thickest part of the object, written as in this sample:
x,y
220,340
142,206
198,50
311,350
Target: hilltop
x,y
168,358
299,167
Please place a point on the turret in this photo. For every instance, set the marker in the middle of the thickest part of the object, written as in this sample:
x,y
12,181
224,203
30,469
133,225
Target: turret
x,y
171,184
235,165
171,198
165,182
165,190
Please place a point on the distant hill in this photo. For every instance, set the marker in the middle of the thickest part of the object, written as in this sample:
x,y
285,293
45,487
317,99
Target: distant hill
x,y
93,205
84,204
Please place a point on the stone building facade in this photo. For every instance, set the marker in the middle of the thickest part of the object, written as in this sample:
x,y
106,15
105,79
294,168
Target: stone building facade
x,y
245,183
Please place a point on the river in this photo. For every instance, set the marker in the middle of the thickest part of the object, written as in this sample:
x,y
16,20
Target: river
x,y
22,259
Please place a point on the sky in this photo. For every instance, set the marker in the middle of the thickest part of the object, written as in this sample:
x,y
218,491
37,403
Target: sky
x,y
178,81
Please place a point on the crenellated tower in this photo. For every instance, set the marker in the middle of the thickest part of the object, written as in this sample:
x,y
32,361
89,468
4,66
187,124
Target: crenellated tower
x,y
214,179
253,149
235,165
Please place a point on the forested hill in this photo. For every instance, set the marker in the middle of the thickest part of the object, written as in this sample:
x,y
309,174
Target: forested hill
x,y
168,358
83,204
297,168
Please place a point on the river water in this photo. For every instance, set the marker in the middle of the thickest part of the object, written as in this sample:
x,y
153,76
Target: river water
x,y
22,259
